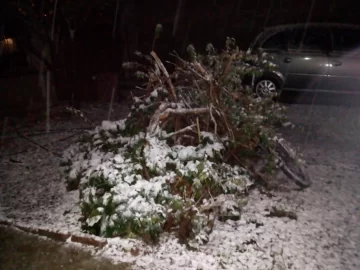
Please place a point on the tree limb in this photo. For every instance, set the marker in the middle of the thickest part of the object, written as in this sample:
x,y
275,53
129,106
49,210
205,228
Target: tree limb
x,y
163,112
183,111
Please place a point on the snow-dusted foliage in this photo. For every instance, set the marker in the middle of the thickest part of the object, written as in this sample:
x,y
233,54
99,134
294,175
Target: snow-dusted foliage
x,y
138,185
181,158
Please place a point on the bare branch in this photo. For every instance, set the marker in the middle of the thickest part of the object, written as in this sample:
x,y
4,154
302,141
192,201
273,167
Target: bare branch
x,y
168,79
213,119
198,128
180,131
155,119
163,113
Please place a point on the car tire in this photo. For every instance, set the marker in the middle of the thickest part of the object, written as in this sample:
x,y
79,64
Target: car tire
x,y
266,87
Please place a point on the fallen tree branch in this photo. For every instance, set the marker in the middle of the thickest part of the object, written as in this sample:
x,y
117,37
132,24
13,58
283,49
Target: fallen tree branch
x,y
163,112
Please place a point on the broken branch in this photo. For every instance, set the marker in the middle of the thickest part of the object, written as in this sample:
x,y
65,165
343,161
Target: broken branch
x,y
166,73
180,131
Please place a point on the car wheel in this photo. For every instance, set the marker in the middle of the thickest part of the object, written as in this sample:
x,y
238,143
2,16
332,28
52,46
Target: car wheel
x,y
266,88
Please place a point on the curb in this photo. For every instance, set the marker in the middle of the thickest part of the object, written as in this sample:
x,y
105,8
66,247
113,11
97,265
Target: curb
x,y
57,235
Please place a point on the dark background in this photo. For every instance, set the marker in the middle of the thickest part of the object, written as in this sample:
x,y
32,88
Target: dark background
x,y
96,49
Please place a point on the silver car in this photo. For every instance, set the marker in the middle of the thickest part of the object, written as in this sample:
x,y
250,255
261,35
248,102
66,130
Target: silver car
x,y
312,57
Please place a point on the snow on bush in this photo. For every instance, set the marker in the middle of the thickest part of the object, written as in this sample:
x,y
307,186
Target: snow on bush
x,y
131,186
181,158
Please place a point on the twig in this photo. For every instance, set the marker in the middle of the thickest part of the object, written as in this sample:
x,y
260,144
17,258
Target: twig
x,y
39,145
228,65
80,114
29,148
180,131
199,75
198,128
211,90
140,88
178,57
231,133
112,98
68,137
233,95
213,119
200,68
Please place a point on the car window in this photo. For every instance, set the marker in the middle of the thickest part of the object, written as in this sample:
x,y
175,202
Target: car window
x,y
295,39
311,39
277,41
346,39
315,39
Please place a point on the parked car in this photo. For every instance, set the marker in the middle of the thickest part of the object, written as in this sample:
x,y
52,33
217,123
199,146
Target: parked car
x,y
314,57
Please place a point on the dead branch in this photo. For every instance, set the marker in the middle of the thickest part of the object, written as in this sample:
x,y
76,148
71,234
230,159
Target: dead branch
x,y
37,144
198,128
163,113
155,119
228,65
180,131
230,131
198,74
200,68
182,112
213,119
233,95
168,79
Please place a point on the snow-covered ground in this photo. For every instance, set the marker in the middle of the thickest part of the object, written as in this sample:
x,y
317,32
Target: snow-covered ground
x,y
325,234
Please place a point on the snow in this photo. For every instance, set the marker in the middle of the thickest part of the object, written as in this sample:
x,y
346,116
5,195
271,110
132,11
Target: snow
x,y
325,235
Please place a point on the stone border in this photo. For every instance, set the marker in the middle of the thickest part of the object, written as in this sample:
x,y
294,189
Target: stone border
x,y
59,236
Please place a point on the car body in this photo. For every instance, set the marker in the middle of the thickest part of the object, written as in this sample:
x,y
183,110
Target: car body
x,y
322,57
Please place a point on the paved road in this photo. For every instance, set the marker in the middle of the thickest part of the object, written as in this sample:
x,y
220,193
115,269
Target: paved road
x,y
329,137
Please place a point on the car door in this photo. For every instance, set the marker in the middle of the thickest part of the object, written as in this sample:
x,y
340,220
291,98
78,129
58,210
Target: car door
x,y
306,64
344,60
276,45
